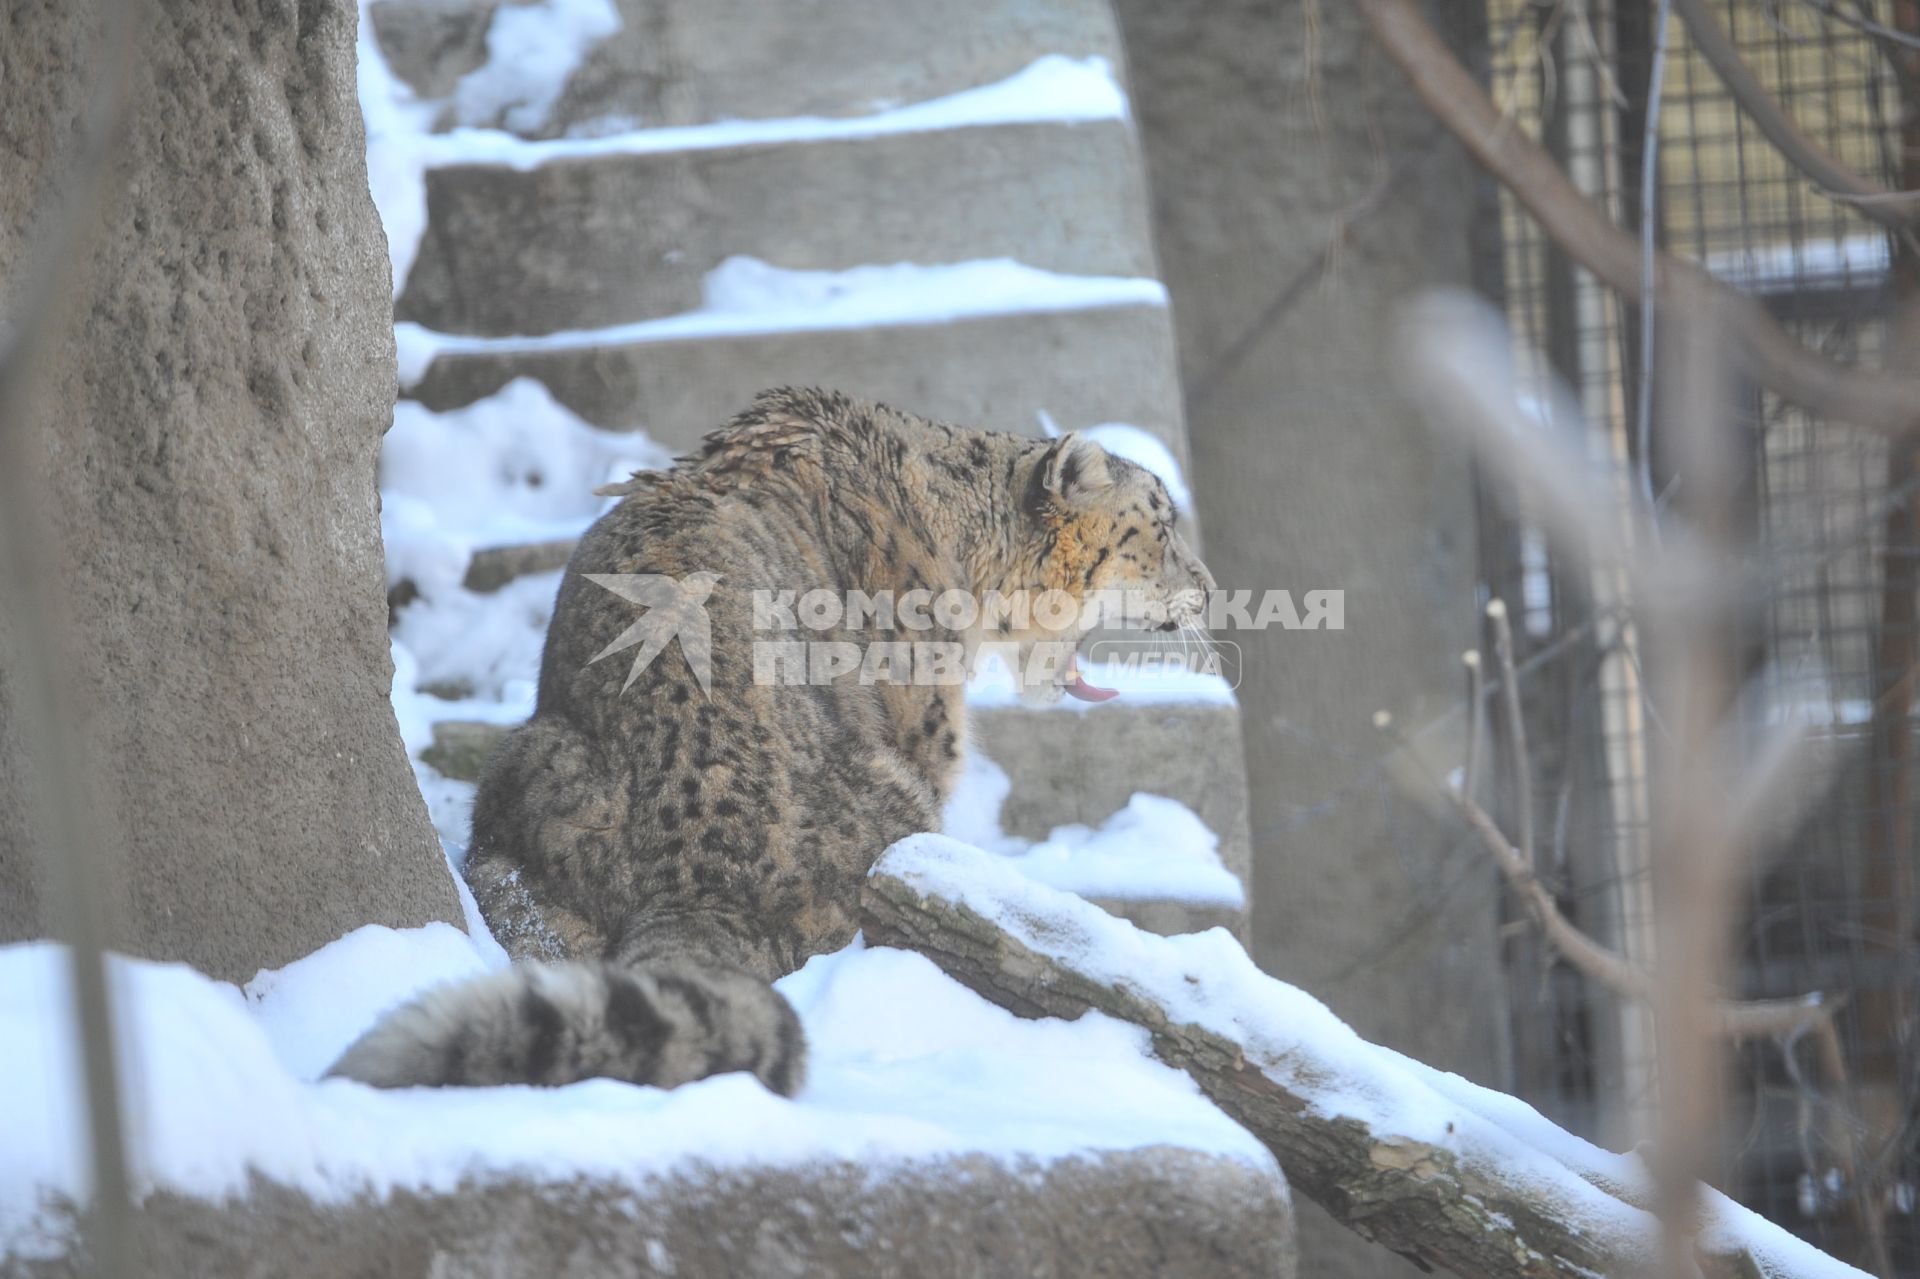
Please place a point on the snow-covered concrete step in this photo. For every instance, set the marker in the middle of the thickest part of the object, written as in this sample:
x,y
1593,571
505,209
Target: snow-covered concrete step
x,y
1187,1213
1001,372
912,1149
610,239
674,63
1080,763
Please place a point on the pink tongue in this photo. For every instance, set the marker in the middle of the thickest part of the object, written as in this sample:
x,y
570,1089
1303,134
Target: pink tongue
x,y
1087,692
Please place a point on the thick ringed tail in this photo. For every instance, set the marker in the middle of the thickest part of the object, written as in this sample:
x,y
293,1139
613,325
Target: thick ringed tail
x,y
554,1024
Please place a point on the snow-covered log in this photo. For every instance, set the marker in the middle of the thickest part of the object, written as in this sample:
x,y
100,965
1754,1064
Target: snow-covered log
x,y
1458,1176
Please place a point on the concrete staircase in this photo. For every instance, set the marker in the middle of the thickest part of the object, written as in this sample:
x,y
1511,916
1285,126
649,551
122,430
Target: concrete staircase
x,y
821,136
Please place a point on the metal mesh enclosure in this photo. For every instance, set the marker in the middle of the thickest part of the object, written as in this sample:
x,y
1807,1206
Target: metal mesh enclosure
x,y
1832,642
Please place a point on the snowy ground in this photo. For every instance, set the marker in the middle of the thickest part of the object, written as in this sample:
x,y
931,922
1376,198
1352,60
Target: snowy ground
x,y
222,1084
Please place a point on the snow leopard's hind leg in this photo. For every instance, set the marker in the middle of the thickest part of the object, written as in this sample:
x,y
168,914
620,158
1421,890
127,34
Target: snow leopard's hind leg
x,y
528,929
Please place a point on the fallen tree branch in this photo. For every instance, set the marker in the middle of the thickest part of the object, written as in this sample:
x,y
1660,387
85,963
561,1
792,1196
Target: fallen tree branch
x,y
1424,1163
1880,399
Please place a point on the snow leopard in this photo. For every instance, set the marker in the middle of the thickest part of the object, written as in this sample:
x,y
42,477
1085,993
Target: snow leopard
x,y
665,837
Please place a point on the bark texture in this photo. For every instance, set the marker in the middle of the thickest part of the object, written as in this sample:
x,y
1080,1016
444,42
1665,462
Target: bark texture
x,y
1461,1210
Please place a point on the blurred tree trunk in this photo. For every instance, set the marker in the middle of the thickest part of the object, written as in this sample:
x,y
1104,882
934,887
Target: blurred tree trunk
x,y
205,439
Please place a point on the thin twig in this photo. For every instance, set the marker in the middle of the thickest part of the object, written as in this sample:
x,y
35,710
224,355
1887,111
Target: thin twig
x,y
1732,1019
1516,725
1649,227
1470,774
1863,24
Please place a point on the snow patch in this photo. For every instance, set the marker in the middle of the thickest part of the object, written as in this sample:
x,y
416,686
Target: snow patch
x,y
485,646
972,814
311,1007
515,467
1154,849
532,51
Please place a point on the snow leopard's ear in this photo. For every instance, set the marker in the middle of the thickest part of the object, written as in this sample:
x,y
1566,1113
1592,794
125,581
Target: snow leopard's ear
x,y
1074,467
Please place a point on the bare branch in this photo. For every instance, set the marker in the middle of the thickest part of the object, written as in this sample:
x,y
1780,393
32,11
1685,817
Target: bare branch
x,y
1883,400
1892,209
1732,1019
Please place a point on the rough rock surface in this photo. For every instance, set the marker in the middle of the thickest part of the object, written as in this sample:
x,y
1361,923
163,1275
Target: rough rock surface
x,y
1146,1213
210,422
1104,364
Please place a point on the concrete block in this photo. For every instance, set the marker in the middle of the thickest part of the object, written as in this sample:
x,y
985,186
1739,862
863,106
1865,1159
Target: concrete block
x,y
586,243
673,63
1145,1213
1084,765
1107,364
492,567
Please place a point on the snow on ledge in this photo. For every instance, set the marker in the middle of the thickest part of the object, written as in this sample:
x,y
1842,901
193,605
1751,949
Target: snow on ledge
x,y
747,296
907,1066
1207,980
1053,89
1154,849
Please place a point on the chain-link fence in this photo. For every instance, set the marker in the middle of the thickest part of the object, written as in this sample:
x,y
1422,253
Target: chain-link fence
x,y
1831,642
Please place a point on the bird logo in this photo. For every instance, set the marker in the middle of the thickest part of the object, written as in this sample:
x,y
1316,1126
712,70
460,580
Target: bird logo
x,y
676,609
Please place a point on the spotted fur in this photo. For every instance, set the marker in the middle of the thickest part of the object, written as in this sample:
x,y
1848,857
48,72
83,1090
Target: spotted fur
x,y
679,844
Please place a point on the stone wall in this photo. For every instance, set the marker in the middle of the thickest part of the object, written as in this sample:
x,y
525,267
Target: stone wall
x,y
1185,1213
208,426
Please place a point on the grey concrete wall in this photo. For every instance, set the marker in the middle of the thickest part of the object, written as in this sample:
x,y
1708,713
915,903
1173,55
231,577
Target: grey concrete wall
x,y
207,436
1186,1214
1262,133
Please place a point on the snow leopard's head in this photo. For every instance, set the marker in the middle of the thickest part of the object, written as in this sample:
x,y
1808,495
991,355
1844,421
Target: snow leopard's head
x,y
1101,530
